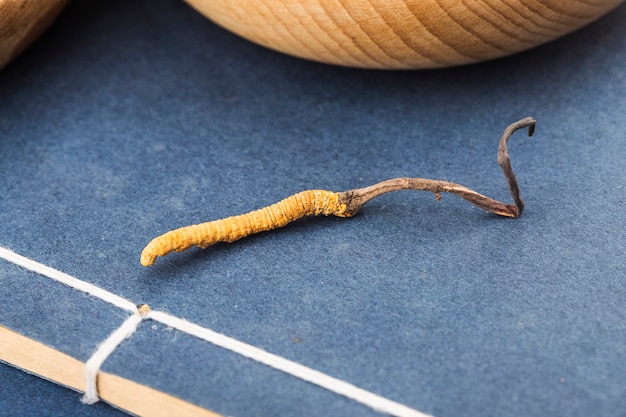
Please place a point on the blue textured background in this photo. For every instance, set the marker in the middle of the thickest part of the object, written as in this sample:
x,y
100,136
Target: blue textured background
x,y
128,119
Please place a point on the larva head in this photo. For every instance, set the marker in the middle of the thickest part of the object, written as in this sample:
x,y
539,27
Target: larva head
x,y
159,246
147,259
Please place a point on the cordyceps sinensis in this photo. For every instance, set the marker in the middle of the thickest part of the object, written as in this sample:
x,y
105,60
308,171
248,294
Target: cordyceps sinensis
x,y
344,204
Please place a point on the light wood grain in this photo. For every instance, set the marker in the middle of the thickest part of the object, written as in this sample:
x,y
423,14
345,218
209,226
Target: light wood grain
x,y
53,365
402,33
22,21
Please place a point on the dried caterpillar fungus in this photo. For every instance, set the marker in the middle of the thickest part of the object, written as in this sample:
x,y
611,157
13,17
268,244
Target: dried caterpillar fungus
x,y
344,204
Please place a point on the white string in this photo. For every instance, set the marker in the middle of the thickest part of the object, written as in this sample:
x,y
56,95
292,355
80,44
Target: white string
x,y
335,385
66,279
93,365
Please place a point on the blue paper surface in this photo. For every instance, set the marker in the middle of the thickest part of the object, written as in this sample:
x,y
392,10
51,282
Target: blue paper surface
x,y
128,119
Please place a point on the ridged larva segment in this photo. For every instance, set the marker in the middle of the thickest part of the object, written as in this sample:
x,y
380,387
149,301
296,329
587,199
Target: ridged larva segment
x,y
230,229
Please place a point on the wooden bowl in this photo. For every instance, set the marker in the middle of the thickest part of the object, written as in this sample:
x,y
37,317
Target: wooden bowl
x,y
396,34
22,21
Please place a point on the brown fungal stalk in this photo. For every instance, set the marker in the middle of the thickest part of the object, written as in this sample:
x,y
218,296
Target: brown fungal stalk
x,y
355,199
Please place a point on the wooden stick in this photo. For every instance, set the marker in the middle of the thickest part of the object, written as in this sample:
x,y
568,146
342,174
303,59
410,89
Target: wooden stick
x,y
51,364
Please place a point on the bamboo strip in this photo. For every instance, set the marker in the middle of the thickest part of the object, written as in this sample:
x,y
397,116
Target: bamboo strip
x,y
51,364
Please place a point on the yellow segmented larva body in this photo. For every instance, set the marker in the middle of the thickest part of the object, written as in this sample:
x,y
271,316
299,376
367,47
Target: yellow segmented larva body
x,y
230,229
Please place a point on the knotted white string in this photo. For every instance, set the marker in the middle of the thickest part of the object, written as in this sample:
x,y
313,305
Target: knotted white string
x,y
92,366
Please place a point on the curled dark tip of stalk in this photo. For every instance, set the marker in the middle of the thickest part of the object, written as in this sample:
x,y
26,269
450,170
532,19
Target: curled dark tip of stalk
x,y
505,162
